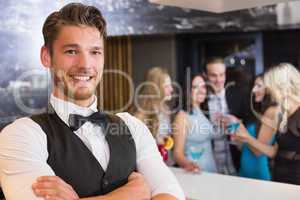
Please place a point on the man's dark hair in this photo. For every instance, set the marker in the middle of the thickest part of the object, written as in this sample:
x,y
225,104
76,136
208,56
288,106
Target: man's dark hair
x,y
76,14
214,60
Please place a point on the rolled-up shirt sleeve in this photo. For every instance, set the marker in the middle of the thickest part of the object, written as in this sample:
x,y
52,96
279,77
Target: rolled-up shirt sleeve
x,y
23,158
149,161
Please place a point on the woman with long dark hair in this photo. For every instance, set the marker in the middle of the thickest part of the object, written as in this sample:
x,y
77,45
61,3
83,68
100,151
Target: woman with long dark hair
x,y
253,165
193,132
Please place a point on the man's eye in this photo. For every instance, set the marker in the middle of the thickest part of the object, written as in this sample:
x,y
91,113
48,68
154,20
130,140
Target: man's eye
x,y
96,52
71,51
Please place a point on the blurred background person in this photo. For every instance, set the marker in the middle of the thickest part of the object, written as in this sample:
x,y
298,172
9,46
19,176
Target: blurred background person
x,y
254,164
224,100
283,83
193,131
151,107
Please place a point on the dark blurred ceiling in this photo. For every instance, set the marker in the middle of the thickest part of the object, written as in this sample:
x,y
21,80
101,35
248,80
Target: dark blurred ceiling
x,y
136,17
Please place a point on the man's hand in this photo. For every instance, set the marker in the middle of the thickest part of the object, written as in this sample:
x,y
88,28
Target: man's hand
x,y
135,189
139,186
53,188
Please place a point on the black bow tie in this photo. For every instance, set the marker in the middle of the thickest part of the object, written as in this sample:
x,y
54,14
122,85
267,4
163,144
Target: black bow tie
x,y
76,121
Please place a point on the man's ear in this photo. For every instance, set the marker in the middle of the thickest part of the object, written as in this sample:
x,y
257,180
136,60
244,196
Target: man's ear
x,y
45,56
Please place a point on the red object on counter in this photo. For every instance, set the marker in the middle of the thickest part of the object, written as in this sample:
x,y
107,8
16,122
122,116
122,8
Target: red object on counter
x,y
163,152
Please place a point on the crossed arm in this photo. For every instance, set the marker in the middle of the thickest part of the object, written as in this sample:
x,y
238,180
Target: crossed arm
x,y
54,188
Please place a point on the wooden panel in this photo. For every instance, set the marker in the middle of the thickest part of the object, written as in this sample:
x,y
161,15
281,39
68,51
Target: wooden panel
x,y
114,92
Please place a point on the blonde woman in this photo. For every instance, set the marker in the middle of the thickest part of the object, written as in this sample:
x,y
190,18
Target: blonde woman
x,y
151,104
283,84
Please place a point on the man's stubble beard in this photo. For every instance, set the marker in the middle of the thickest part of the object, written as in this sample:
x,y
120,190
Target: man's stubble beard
x,y
62,85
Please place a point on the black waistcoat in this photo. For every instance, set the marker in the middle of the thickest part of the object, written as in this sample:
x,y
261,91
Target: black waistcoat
x,y
72,161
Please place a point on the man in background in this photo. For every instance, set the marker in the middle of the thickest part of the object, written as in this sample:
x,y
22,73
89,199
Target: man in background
x,y
224,99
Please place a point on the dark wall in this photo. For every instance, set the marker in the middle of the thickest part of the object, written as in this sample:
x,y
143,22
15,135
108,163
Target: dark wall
x,y
186,53
270,47
152,51
193,50
281,46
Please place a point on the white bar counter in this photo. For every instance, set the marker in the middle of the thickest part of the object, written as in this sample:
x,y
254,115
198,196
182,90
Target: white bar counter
x,y
210,186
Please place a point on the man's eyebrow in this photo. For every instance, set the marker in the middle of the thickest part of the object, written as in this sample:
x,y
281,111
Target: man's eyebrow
x,y
77,46
70,46
97,48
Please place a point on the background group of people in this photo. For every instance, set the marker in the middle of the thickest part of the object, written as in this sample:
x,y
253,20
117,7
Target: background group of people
x,y
265,142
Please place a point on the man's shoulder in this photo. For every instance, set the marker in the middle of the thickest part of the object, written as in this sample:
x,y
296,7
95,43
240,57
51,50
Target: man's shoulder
x,y
136,126
124,114
127,117
20,122
131,121
20,126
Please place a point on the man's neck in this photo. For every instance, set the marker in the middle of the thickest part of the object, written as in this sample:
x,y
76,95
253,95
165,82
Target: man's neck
x,y
81,103
217,92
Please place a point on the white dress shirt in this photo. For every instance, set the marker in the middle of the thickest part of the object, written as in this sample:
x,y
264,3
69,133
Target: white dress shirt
x,y
23,152
217,103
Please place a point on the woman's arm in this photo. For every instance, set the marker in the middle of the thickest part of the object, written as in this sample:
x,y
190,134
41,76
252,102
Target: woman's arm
x,y
261,144
259,148
180,127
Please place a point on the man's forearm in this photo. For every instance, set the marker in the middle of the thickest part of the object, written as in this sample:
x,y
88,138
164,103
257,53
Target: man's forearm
x,y
120,193
126,192
163,197
120,196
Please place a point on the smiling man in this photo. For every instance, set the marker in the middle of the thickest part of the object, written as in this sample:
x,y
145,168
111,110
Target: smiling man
x,y
225,98
75,151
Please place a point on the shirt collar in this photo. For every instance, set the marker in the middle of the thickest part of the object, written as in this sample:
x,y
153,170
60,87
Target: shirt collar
x,y
64,108
220,95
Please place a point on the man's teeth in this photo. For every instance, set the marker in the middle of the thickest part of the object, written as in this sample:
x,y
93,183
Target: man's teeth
x,y
82,78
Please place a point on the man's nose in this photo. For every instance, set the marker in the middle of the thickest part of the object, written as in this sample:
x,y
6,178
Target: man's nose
x,y
84,60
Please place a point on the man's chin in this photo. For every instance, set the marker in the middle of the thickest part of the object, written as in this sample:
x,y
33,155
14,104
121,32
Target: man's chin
x,y
81,94
218,89
74,93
